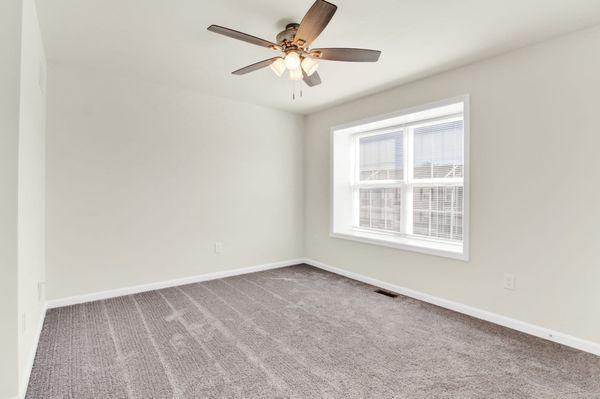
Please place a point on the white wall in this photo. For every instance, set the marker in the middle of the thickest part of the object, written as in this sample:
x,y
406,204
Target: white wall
x,y
31,187
534,187
22,208
10,41
143,179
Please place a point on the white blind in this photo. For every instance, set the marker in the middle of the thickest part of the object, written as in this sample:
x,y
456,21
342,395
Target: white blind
x,y
382,157
380,208
438,151
437,212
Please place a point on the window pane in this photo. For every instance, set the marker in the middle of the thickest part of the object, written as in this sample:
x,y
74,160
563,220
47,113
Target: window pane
x,y
381,157
437,212
380,208
439,150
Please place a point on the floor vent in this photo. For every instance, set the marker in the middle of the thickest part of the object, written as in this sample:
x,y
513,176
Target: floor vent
x,y
387,293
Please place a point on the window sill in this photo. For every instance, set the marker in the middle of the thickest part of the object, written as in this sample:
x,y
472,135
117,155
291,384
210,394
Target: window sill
x,y
428,247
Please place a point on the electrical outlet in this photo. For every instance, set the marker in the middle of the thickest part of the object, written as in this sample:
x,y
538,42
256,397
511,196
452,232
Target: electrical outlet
x,y
218,247
509,281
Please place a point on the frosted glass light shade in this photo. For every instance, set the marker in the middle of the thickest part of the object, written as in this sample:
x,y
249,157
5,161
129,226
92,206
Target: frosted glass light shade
x,y
278,66
292,60
296,74
309,65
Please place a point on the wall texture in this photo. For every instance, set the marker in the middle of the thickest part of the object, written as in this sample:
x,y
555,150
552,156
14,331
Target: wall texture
x,y
32,175
534,172
143,179
10,45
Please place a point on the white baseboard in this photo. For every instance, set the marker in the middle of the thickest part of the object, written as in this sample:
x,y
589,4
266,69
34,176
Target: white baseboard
x,y
24,380
73,300
531,329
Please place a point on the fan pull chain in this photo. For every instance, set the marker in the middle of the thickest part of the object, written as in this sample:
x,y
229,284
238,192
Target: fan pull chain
x,y
294,90
294,87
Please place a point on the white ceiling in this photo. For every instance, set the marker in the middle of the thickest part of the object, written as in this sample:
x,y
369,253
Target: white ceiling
x,y
166,41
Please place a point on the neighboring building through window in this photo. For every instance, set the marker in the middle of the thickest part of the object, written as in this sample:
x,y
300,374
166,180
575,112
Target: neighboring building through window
x,y
400,180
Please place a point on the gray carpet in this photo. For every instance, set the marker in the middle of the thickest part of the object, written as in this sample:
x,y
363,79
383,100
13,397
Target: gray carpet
x,y
296,332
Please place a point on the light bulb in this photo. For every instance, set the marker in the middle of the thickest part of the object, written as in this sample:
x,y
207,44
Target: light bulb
x,y
296,74
309,65
278,66
292,60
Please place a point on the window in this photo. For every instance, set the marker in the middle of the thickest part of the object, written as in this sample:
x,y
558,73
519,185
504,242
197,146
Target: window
x,y
401,180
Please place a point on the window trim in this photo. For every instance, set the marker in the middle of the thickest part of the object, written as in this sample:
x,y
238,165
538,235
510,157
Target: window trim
x,y
369,126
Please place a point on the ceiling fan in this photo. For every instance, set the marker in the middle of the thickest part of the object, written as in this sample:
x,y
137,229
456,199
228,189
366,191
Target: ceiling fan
x,y
294,42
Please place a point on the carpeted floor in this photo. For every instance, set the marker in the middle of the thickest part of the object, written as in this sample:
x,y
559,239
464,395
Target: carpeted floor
x,y
296,332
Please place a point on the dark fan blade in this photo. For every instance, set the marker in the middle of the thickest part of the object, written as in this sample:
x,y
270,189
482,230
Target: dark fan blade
x,y
242,36
346,54
315,20
312,80
254,67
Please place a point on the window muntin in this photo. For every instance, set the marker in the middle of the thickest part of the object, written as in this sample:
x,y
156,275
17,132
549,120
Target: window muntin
x,y
410,182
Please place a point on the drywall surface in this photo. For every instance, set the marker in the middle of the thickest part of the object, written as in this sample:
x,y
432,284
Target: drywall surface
x,y
534,173
10,42
144,179
32,175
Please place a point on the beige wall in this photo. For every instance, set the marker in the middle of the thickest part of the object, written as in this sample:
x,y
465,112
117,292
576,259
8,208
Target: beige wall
x,y
10,42
143,179
534,187
31,231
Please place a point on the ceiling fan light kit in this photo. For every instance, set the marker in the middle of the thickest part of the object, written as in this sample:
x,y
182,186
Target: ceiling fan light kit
x,y
294,42
309,65
296,74
278,66
292,60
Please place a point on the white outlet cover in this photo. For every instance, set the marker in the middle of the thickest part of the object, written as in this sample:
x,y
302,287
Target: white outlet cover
x,y
509,281
218,247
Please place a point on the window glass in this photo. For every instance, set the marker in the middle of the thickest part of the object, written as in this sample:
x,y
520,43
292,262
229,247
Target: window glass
x,y
438,150
380,208
382,157
437,212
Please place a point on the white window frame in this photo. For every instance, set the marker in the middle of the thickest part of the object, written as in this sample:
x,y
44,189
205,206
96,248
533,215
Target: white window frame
x,y
347,153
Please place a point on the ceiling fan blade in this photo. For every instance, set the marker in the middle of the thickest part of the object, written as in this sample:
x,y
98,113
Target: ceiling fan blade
x,y
346,54
312,80
315,20
242,36
254,67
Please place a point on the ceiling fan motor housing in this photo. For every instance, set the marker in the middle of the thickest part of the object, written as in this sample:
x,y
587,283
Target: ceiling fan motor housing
x,y
288,34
